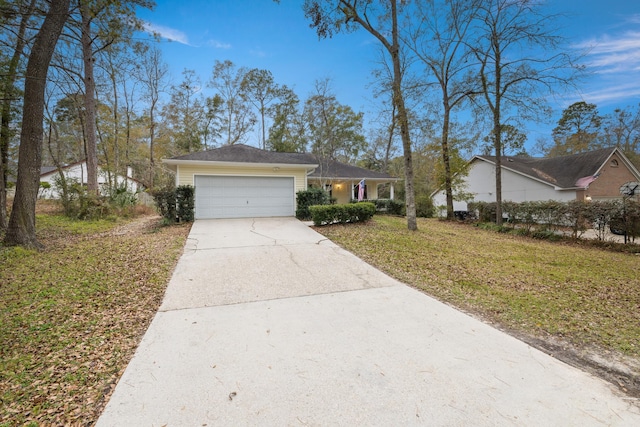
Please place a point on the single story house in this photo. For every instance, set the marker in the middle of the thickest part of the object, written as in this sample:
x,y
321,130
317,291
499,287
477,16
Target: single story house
x,y
594,175
239,181
78,171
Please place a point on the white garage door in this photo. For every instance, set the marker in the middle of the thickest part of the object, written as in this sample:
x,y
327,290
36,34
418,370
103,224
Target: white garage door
x,y
243,197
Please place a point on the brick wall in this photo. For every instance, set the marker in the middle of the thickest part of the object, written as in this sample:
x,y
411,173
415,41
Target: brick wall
x,y
612,176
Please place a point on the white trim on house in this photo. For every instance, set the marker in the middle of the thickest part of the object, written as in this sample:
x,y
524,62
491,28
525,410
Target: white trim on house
x,y
78,171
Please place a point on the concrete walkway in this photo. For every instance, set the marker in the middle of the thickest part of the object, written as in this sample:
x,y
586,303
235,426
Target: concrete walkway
x,y
265,322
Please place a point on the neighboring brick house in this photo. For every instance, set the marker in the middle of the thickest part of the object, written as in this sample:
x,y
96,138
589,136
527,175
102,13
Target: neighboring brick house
x,y
595,175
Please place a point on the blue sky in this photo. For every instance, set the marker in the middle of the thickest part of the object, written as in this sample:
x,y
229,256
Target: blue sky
x,y
277,37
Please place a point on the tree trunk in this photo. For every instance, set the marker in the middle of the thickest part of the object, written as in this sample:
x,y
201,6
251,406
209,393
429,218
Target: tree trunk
x,y
497,133
152,138
9,91
22,224
89,100
447,161
403,120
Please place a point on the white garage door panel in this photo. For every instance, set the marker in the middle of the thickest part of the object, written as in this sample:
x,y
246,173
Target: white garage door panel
x,y
243,197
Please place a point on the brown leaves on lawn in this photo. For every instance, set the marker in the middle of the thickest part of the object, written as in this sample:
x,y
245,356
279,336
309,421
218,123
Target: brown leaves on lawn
x,y
586,295
72,316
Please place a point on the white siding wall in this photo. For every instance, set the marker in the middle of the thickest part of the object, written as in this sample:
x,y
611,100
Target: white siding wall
x,y
481,182
185,173
79,172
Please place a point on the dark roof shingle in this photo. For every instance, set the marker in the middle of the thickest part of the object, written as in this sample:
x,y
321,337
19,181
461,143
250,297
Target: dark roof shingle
x,y
240,153
561,171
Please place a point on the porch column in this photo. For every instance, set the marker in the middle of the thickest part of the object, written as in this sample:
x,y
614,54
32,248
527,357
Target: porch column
x,y
353,191
391,191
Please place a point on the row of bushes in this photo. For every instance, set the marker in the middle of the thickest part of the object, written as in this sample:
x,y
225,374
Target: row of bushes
x,y
175,204
316,196
576,215
342,214
388,206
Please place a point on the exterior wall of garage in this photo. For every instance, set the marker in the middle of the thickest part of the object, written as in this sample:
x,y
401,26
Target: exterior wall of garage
x,y
185,173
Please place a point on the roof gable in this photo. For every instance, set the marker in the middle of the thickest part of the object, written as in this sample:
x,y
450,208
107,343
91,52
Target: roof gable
x,y
562,172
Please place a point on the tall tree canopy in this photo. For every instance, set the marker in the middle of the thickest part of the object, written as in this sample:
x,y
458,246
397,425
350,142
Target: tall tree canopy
x,y
380,19
334,130
577,130
520,64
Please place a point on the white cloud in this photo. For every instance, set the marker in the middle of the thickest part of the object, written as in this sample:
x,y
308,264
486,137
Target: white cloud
x,y
258,53
612,94
609,54
217,44
167,33
614,61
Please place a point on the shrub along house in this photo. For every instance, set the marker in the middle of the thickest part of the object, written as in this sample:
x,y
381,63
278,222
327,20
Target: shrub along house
x,y
239,181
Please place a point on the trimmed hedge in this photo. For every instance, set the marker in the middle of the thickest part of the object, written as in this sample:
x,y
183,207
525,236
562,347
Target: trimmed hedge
x,y
388,206
575,215
342,214
175,204
310,197
185,203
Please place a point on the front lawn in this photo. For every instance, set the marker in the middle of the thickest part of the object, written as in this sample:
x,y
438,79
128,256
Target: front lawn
x,y
567,292
72,316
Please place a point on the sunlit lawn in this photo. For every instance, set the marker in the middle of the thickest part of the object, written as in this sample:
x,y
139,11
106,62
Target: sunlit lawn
x,y
585,295
72,316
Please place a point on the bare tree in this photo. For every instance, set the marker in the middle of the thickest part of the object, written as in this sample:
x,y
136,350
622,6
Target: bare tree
x,y
288,132
334,130
153,74
437,41
622,129
238,120
22,224
379,19
520,63
260,89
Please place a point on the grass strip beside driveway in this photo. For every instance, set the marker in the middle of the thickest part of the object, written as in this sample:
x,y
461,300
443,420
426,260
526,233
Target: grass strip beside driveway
x,y
72,316
582,295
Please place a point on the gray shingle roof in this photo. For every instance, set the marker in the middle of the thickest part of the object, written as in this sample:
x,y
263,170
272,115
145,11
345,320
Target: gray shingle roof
x,y
334,169
561,171
240,153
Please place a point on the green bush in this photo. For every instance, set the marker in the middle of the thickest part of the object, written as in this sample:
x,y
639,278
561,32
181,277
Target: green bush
x,y
175,204
486,211
543,218
165,199
342,214
388,206
185,203
424,207
307,198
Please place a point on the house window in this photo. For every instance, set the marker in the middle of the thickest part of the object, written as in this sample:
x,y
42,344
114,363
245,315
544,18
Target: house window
x,y
614,163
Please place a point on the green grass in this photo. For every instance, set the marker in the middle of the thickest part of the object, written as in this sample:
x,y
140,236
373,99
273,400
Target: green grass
x,y
587,296
72,315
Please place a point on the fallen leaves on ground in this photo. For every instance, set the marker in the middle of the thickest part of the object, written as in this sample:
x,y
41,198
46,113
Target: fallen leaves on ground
x,y
72,316
586,296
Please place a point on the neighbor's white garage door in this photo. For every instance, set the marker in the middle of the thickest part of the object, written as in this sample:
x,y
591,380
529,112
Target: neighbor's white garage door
x,y
243,196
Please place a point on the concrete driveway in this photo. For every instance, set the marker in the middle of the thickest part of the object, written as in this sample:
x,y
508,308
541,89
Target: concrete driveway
x,y
265,322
